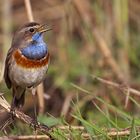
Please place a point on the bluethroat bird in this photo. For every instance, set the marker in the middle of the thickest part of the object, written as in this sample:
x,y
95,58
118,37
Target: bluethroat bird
x,y
26,62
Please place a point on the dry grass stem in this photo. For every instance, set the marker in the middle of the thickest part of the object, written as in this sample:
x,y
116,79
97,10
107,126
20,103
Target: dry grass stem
x,y
108,55
6,31
66,104
111,133
40,94
29,10
124,88
28,137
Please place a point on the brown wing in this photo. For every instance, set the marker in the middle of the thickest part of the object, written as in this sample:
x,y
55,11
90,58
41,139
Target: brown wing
x,y
6,70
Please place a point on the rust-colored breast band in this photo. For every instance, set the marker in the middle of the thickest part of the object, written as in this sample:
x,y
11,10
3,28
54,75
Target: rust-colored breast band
x,y
29,63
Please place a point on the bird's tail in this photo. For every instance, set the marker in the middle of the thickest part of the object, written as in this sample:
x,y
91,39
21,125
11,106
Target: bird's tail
x,y
18,97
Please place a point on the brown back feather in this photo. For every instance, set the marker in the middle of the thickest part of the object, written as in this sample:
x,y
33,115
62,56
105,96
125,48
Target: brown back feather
x,y
6,70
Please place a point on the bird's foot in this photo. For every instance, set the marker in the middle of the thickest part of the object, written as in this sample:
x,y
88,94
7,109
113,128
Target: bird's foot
x,y
34,124
12,113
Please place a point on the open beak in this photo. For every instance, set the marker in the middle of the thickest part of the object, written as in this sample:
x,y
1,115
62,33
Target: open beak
x,y
44,28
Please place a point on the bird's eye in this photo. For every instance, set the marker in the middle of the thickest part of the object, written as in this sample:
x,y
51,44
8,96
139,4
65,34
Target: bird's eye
x,y
32,30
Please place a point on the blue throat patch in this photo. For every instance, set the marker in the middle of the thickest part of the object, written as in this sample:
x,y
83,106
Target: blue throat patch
x,y
37,49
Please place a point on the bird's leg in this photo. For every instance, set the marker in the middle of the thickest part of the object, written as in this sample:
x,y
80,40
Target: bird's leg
x,y
12,110
35,112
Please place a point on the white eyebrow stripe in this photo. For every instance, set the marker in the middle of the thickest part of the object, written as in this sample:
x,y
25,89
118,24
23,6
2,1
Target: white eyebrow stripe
x,y
27,28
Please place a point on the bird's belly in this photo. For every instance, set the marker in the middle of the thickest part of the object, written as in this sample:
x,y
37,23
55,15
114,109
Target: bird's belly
x,y
27,77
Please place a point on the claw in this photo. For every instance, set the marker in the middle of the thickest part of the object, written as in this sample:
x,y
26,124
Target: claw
x,y
35,124
12,113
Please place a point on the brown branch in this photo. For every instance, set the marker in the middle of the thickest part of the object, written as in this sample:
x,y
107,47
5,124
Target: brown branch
x,y
23,117
119,86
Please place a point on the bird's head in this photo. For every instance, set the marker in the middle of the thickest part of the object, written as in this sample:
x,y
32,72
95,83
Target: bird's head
x,y
31,32
29,40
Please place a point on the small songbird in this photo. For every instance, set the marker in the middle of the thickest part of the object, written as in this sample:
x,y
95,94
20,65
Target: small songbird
x,y
27,61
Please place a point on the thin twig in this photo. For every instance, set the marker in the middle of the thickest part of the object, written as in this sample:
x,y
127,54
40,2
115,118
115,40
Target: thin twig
x,y
23,117
119,86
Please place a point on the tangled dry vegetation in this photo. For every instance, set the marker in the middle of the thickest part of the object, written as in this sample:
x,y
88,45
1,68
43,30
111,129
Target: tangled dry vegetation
x,y
90,38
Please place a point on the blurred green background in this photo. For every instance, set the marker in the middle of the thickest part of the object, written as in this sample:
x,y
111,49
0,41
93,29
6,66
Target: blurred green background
x,y
89,38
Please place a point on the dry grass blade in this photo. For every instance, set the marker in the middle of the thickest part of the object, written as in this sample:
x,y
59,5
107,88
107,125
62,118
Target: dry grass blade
x,y
66,104
40,94
7,123
29,10
119,86
6,32
28,137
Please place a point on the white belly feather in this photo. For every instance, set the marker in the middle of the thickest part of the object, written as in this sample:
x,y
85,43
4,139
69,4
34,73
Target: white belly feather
x,y
27,77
